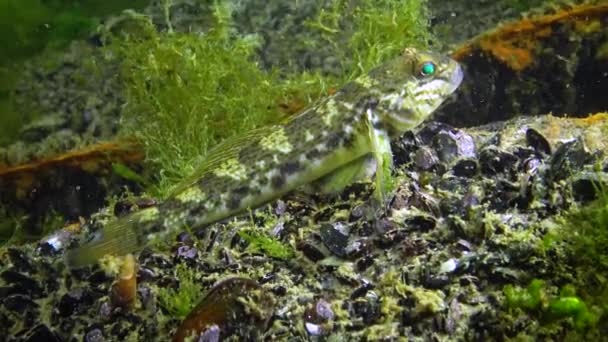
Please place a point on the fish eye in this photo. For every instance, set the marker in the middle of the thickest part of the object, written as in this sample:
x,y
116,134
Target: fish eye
x,y
428,69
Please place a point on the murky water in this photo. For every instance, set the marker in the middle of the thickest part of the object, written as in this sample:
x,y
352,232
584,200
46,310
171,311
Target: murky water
x,y
492,225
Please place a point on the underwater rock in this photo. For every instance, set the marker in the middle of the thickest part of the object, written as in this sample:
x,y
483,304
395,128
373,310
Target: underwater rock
x,y
453,144
508,68
589,186
148,298
19,304
403,148
531,165
186,252
237,306
365,262
72,185
335,237
426,158
41,333
422,223
422,228
57,241
20,260
41,128
23,284
76,301
568,158
430,130
125,207
495,161
358,247
391,238
366,308
94,335
311,251
211,334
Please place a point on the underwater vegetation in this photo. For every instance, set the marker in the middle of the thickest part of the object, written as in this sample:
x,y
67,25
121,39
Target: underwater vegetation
x,y
269,246
581,234
429,268
586,236
566,305
180,301
185,93
586,231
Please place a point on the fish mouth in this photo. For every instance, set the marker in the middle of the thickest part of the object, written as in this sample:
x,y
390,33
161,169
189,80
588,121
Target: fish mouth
x,y
456,78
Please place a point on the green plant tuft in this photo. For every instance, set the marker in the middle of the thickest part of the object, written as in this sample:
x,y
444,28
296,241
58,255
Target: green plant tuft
x,y
535,299
586,231
267,245
529,298
179,302
185,93
371,32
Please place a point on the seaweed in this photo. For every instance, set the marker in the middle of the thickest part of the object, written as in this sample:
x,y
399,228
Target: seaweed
x,y
586,232
537,300
269,246
185,93
179,302
580,235
372,31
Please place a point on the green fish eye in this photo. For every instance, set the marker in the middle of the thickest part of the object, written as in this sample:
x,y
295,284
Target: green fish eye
x,y
428,69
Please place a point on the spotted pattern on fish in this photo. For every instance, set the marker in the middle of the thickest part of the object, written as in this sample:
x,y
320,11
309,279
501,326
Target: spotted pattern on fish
x,y
265,163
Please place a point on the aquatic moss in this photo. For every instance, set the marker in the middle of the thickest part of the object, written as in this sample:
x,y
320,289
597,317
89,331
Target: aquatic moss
x,y
529,298
186,92
179,302
551,308
370,32
586,232
584,235
267,245
581,234
12,120
127,173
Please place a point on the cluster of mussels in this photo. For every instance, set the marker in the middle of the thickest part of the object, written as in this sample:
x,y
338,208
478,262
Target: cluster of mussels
x,y
465,221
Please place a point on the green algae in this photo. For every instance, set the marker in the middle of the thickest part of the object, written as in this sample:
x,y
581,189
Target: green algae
x,y
536,299
267,245
367,34
586,232
180,301
185,92
128,173
585,237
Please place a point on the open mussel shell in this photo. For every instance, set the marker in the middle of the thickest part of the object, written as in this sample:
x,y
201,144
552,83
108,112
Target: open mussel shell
x,y
234,306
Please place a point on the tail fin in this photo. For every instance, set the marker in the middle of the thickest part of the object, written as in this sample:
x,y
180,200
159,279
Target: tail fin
x,y
119,237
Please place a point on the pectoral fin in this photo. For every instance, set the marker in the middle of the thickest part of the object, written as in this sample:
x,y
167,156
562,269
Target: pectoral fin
x,y
345,175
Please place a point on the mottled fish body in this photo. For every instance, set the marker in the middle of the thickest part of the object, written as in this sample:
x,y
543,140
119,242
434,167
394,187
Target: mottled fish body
x,y
329,142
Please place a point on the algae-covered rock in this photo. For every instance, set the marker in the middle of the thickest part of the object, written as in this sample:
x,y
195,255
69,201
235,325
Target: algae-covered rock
x,y
479,214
